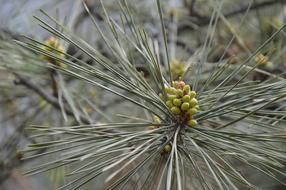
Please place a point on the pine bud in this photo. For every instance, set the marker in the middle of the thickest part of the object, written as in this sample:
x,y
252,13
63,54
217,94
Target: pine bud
x,y
193,111
192,123
179,93
193,102
193,94
178,68
167,148
174,83
171,97
186,98
181,101
185,106
169,103
177,102
168,90
175,110
187,89
156,119
54,46
173,91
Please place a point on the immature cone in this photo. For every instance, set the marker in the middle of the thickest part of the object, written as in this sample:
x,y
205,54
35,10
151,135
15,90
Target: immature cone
x,y
182,102
271,25
54,44
178,68
263,60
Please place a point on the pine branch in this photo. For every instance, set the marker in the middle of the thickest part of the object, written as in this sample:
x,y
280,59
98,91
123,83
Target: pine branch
x,y
46,96
9,149
201,20
183,135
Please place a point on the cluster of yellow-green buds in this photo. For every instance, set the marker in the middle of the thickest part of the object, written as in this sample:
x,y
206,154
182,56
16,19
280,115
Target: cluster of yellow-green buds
x,y
53,45
178,68
269,25
263,60
182,102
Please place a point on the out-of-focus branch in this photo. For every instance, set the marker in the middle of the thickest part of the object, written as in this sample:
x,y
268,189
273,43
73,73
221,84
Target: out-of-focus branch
x,y
192,10
46,96
254,6
200,20
10,158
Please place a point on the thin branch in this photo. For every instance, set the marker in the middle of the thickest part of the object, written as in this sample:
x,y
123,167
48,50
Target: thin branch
x,y
254,6
12,158
204,20
192,10
46,96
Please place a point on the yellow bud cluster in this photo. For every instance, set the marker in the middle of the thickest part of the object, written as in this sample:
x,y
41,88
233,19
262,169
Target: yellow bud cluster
x,y
270,25
54,44
182,102
262,60
178,68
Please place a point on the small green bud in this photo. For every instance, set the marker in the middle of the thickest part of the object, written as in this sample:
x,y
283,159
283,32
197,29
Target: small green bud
x,y
193,111
185,106
161,96
175,110
52,44
173,91
186,98
174,83
171,97
197,107
192,123
177,67
156,119
167,148
187,89
177,102
179,93
193,102
169,103
193,94
168,90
